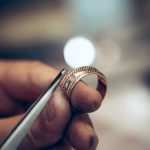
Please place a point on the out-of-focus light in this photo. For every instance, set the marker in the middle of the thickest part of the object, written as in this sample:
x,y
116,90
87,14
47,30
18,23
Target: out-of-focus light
x,y
110,52
79,51
136,103
99,14
130,108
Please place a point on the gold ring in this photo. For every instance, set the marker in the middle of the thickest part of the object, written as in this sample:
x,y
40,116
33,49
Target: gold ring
x,y
74,76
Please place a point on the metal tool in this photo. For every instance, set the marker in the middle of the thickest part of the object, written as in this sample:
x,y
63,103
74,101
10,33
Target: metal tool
x,y
15,137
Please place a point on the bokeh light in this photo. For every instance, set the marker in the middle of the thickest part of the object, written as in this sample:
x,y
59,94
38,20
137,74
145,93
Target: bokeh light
x,y
79,51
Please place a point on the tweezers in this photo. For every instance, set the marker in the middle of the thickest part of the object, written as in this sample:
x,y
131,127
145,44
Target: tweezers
x,y
17,134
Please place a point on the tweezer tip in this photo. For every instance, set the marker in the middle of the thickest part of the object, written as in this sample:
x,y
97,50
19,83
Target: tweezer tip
x,y
63,71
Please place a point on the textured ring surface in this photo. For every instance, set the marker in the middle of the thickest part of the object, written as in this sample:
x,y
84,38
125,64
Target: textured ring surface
x,y
74,76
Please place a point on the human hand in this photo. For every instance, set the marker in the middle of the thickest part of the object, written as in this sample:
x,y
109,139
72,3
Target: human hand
x,y
57,127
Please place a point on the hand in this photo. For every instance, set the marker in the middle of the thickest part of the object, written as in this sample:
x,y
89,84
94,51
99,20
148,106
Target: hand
x,y
21,82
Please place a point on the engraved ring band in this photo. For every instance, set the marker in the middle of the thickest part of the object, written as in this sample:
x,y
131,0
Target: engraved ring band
x,y
75,75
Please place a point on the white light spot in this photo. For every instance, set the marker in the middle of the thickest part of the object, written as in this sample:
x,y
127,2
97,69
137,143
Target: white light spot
x,y
79,51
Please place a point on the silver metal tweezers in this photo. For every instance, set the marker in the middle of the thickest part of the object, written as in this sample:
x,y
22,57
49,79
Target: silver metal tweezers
x,y
15,137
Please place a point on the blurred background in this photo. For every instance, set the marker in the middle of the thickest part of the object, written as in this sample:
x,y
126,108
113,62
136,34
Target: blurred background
x,y
112,35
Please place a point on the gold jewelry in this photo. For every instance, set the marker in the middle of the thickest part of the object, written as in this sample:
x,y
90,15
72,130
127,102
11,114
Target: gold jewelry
x,y
74,76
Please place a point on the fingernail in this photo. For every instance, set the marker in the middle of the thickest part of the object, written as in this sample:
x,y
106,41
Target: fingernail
x,y
93,141
102,88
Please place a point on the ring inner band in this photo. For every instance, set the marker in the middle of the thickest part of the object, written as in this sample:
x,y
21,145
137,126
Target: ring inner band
x,y
74,76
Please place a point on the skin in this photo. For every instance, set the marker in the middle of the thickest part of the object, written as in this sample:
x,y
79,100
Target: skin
x,y
57,127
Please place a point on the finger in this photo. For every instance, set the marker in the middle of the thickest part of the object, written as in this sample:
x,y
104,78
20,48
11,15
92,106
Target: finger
x,y
26,80
80,133
8,106
85,98
6,124
50,126
61,145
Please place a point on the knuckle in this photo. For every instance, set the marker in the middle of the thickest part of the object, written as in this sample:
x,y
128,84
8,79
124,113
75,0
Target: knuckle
x,y
34,73
35,63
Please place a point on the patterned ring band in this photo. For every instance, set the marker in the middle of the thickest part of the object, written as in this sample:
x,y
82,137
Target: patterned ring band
x,y
74,76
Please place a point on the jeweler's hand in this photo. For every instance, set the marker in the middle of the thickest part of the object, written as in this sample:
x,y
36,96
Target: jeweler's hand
x,y
21,82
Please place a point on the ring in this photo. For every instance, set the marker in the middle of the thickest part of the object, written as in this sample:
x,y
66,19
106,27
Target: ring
x,y
74,76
